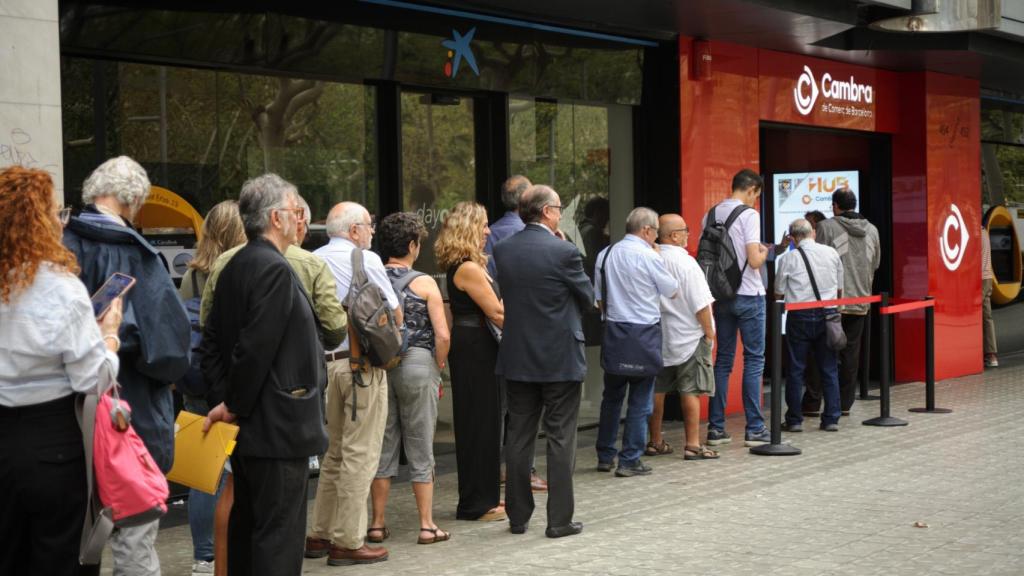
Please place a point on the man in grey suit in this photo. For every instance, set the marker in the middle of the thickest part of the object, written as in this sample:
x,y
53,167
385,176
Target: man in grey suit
x,y
541,356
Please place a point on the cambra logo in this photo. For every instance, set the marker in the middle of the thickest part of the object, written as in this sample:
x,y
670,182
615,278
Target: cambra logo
x,y
806,91
953,254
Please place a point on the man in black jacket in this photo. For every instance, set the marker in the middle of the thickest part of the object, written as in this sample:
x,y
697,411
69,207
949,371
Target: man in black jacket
x,y
541,356
154,335
261,348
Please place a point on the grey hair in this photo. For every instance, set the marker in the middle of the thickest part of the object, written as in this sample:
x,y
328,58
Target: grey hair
x,y
512,190
800,229
533,201
307,214
259,196
339,222
639,218
122,178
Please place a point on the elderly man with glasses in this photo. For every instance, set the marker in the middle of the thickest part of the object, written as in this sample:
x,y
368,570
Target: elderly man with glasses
x,y
629,281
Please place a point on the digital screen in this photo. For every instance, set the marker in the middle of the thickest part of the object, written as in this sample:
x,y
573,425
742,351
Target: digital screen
x,y
794,195
115,286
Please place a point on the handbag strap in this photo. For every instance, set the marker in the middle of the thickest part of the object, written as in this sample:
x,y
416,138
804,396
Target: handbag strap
x,y
807,264
604,282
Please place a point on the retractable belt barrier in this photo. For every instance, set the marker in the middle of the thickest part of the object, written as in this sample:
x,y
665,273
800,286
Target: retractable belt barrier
x,y
885,311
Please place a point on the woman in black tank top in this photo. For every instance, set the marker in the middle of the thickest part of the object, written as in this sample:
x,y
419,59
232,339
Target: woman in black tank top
x,y
476,395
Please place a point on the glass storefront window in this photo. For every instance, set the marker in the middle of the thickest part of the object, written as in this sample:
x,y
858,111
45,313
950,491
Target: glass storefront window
x,y
584,152
202,133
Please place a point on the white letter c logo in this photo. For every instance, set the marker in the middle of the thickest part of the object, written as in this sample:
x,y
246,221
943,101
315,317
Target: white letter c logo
x,y
952,256
805,103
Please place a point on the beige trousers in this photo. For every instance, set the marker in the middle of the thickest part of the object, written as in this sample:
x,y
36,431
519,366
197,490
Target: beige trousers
x,y
339,513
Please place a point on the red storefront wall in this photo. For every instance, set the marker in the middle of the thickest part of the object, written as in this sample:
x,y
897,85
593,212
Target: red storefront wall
x,y
934,122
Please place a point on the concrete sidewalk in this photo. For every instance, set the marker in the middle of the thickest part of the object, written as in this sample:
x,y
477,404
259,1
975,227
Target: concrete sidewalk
x,y
847,505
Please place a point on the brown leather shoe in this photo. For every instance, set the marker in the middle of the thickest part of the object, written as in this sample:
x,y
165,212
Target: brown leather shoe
x,y
317,547
537,484
362,555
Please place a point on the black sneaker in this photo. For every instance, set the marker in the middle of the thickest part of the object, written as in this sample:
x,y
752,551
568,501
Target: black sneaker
x,y
638,469
787,427
717,437
605,466
830,427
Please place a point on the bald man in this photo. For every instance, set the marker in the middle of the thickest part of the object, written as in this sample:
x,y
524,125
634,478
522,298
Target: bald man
x,y
356,415
687,337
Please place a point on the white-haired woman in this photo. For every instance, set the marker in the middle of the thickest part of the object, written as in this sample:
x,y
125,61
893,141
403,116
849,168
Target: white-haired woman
x,y
155,333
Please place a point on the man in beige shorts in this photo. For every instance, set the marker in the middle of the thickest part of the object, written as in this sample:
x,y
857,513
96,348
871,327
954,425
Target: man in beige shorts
x,y
688,333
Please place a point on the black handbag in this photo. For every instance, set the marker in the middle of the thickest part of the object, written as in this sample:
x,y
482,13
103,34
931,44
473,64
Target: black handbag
x,y
628,349
835,337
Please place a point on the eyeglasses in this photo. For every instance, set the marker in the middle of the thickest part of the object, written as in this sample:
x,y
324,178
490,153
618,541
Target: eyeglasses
x,y
372,225
558,206
299,213
674,230
654,228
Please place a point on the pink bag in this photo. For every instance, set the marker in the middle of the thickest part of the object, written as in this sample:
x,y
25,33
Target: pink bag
x,y
131,488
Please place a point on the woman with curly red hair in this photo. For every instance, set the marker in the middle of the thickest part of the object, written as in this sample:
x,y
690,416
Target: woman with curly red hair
x,y
51,347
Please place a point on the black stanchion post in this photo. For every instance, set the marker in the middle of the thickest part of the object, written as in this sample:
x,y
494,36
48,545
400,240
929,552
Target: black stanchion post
x,y
929,364
776,448
865,359
885,322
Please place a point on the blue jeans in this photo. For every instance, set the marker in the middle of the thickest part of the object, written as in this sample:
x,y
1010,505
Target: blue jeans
x,y
200,504
805,334
745,314
634,437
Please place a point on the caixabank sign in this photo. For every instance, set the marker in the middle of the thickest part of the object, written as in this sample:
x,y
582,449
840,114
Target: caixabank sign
x,y
802,90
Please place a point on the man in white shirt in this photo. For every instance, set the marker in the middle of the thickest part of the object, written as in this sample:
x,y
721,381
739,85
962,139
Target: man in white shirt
x,y
355,418
687,336
744,314
805,329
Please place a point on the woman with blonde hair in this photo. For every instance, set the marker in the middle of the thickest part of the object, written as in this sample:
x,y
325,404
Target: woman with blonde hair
x,y
222,231
476,395
52,347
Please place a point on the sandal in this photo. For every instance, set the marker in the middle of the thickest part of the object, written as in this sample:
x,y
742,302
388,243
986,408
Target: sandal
x,y
495,514
438,536
699,453
658,450
384,534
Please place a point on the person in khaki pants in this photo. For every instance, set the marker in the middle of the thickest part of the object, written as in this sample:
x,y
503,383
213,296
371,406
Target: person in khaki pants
x,y
357,408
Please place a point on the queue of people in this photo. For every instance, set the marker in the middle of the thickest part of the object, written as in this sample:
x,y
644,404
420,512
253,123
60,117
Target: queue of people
x,y
284,354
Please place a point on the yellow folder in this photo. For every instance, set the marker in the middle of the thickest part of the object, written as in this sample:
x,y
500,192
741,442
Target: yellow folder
x,y
199,458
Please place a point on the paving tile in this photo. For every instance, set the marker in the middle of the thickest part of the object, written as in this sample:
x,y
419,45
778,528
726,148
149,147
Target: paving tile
x,y
846,506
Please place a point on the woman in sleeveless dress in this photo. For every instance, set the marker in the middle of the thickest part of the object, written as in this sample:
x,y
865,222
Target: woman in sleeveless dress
x,y
476,395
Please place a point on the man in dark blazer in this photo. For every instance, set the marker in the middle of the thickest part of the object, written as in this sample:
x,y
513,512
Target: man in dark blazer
x,y
262,353
541,357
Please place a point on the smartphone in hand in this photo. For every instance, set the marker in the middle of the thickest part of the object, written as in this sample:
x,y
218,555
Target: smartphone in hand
x,y
115,287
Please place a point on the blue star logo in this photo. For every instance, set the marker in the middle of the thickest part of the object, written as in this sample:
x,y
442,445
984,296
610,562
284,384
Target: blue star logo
x,y
458,49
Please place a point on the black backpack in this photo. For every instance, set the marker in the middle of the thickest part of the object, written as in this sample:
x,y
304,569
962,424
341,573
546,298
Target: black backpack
x,y
716,255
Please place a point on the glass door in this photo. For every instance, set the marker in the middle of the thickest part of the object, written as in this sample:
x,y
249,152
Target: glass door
x,y
439,169
438,162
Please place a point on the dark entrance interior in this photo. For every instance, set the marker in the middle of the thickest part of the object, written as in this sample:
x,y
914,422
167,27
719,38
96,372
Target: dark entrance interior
x,y
787,148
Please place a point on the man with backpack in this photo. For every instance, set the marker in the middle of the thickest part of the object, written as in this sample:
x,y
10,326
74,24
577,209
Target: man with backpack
x,y
357,393
730,253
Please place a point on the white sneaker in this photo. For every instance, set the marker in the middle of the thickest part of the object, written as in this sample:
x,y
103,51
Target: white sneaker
x,y
202,567
991,361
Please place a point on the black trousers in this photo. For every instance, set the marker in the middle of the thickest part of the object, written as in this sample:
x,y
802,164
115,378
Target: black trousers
x,y
849,359
477,415
560,403
42,489
267,528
